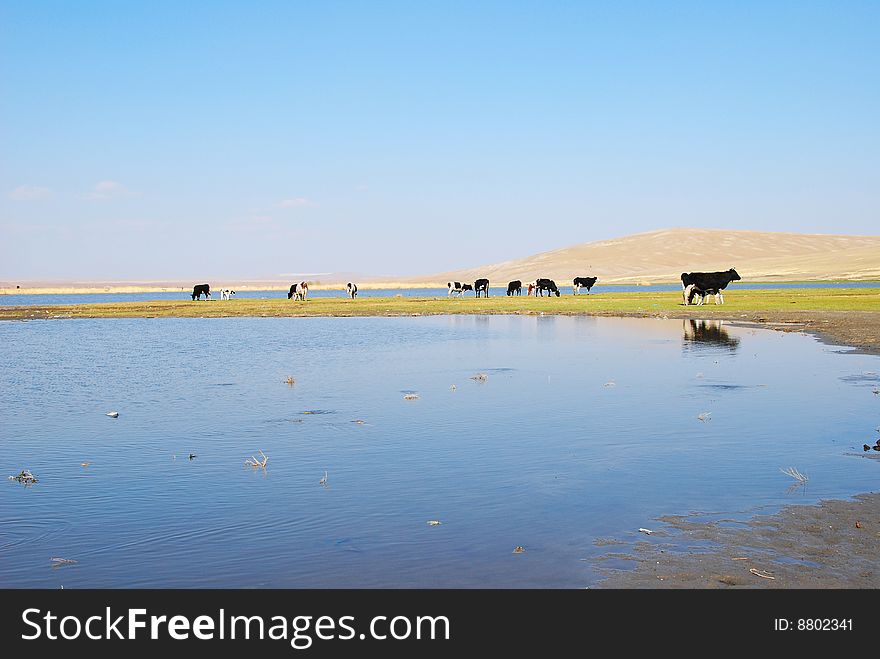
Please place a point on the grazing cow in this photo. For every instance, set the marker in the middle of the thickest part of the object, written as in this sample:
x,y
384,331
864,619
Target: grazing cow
x,y
457,288
201,289
701,284
225,294
514,287
466,287
548,285
532,286
352,290
481,285
300,290
583,282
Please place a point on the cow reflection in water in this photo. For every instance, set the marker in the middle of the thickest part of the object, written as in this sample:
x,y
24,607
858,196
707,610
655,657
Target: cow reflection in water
x,y
710,333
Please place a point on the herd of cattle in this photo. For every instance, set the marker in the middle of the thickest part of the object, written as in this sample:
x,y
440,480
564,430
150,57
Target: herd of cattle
x,y
696,287
537,287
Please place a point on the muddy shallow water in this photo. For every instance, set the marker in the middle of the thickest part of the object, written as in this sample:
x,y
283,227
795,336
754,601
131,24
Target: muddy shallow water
x,y
584,428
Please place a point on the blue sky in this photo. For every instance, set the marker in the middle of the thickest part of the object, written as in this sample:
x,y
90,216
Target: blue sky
x,y
248,139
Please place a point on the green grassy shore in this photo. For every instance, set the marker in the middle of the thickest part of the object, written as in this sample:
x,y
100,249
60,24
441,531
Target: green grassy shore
x,y
653,303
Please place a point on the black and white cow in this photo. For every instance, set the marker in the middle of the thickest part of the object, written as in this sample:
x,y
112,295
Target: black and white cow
x,y
700,284
583,282
226,294
457,288
514,287
548,285
352,290
201,289
300,290
481,285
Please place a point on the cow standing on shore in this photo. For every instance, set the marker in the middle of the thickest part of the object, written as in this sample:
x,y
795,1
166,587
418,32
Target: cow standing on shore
x,y
481,285
583,282
548,285
514,288
458,288
300,290
201,289
700,284
352,290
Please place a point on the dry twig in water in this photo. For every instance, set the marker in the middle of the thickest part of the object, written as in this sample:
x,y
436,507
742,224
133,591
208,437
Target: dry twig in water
x,y
794,473
480,377
254,462
58,562
411,397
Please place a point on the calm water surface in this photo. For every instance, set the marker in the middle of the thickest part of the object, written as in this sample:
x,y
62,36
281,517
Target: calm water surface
x,y
586,428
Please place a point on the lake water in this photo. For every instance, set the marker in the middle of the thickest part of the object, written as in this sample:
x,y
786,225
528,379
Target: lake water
x,y
599,289
586,428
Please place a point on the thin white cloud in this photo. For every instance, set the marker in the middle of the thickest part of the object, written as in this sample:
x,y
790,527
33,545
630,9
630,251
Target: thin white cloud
x,y
29,193
296,202
362,187
104,190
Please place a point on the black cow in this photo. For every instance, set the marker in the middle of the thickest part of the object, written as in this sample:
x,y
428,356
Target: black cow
x,y
481,285
548,285
466,287
201,289
701,284
514,287
300,290
352,290
583,282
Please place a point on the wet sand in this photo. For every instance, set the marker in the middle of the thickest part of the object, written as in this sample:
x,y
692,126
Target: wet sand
x,y
802,546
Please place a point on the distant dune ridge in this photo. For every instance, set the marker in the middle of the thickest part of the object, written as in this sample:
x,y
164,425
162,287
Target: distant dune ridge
x,y
643,258
661,257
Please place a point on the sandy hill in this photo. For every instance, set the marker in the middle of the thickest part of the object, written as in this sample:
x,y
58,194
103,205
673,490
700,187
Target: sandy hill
x,y
661,256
